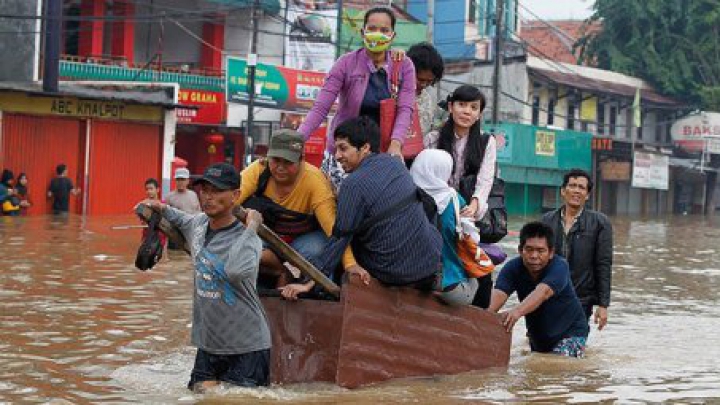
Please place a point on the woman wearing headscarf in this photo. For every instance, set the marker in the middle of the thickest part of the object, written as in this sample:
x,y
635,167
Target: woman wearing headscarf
x,y
431,171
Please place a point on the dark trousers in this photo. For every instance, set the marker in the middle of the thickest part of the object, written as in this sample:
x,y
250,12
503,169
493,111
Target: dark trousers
x,y
588,309
484,291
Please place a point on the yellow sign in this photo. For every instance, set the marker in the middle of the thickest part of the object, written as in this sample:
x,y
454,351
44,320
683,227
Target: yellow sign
x,y
545,143
588,109
79,108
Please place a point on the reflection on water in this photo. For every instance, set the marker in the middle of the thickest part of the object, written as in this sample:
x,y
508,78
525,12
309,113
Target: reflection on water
x,y
79,324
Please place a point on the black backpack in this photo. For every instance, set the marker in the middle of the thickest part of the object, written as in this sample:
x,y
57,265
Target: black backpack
x,y
151,249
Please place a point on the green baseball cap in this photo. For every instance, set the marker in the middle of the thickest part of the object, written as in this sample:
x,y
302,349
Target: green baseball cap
x,y
286,144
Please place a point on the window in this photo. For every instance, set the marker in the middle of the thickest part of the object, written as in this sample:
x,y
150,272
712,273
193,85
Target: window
x,y
472,11
613,120
640,128
551,112
536,110
601,119
571,115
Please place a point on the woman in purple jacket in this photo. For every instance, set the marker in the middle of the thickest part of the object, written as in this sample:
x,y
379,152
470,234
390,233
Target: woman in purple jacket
x,y
360,80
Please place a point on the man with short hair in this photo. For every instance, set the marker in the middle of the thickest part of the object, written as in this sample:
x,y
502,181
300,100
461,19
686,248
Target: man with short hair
x,y
554,318
585,239
379,214
60,189
183,198
229,325
296,201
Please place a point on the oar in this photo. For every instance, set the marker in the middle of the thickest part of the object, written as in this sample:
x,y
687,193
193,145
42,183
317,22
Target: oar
x,y
266,234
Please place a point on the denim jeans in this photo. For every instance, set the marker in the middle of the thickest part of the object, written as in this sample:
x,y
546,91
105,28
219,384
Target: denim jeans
x,y
310,245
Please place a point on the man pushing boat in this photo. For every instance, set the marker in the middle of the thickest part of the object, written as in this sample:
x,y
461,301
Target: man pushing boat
x,y
229,327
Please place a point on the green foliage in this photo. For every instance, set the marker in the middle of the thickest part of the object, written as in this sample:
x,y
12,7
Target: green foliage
x,y
673,44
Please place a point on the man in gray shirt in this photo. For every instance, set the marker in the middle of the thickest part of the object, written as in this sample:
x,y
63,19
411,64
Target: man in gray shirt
x,y
229,326
183,198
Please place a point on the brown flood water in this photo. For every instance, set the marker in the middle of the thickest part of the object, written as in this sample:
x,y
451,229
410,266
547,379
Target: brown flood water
x,y
78,324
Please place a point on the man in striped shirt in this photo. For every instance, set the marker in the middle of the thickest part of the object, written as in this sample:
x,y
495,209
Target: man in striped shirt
x,y
391,236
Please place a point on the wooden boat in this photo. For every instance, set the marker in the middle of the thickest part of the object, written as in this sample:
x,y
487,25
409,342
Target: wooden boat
x,y
376,333
370,333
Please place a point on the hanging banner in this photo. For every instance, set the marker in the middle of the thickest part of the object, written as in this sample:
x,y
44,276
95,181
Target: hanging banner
x,y
276,87
311,35
588,109
651,171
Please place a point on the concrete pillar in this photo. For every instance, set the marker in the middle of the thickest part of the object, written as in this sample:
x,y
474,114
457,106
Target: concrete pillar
x,y
211,58
168,154
123,35
91,30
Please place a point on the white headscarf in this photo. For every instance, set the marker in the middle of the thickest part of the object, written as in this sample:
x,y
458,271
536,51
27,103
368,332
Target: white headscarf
x,y
431,171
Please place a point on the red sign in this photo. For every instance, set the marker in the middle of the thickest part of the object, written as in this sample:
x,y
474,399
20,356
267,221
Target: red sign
x,y
602,144
211,107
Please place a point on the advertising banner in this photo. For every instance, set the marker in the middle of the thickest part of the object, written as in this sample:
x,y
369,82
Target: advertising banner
x,y
211,107
311,34
692,132
651,171
276,87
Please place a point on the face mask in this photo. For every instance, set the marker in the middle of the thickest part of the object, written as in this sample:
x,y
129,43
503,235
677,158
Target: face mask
x,y
377,41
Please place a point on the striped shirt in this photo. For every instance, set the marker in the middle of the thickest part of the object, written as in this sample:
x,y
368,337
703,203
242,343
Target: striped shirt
x,y
400,249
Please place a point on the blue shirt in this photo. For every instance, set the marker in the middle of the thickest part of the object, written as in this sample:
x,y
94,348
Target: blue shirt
x,y
401,249
559,317
377,90
453,270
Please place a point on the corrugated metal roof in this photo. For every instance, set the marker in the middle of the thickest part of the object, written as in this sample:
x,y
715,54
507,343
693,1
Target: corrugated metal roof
x,y
586,78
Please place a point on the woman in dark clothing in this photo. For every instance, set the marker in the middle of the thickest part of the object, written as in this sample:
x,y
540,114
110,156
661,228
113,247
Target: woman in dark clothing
x,y
21,190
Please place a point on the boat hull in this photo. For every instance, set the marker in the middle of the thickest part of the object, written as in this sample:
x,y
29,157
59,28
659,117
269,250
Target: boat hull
x,y
376,333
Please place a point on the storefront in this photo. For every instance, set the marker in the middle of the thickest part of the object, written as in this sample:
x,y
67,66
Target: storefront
x,y
202,136
110,147
533,161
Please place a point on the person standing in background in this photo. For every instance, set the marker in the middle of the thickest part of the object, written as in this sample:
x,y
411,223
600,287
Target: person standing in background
x,y
183,198
585,239
60,189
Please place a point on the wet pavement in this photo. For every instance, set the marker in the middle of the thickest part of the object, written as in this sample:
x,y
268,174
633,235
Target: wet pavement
x,y
79,324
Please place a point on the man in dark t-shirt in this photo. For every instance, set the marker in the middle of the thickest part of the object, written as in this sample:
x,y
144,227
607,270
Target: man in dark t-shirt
x,y
554,317
60,189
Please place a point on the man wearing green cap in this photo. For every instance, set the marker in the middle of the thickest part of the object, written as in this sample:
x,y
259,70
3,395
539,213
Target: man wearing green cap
x,y
296,202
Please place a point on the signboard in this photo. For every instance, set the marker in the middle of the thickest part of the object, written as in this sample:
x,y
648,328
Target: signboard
x,y
79,108
615,171
276,86
602,144
545,143
713,145
212,107
503,141
311,35
651,171
588,109
690,132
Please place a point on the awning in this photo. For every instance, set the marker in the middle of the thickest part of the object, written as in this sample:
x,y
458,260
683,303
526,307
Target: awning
x,y
268,6
691,164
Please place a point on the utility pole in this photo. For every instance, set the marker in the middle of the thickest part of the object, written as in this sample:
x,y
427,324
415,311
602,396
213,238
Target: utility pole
x,y
252,65
430,20
499,36
53,35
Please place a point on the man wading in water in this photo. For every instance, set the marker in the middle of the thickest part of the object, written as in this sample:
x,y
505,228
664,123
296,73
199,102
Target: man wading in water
x,y
229,325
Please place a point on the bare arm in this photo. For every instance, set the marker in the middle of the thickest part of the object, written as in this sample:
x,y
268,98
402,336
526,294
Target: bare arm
x,y
497,300
541,294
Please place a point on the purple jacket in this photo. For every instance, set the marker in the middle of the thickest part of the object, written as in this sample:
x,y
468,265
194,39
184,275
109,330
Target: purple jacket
x,y
349,79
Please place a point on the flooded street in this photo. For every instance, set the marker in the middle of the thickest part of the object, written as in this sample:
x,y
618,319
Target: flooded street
x,y
79,324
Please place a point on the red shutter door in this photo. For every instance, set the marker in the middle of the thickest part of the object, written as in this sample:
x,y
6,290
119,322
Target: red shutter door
x,y
36,145
122,156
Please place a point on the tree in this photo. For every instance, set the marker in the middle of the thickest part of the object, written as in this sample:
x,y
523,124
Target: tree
x,y
673,44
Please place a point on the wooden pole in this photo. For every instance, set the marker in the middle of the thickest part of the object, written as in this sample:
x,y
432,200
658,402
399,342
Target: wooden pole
x,y
270,237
